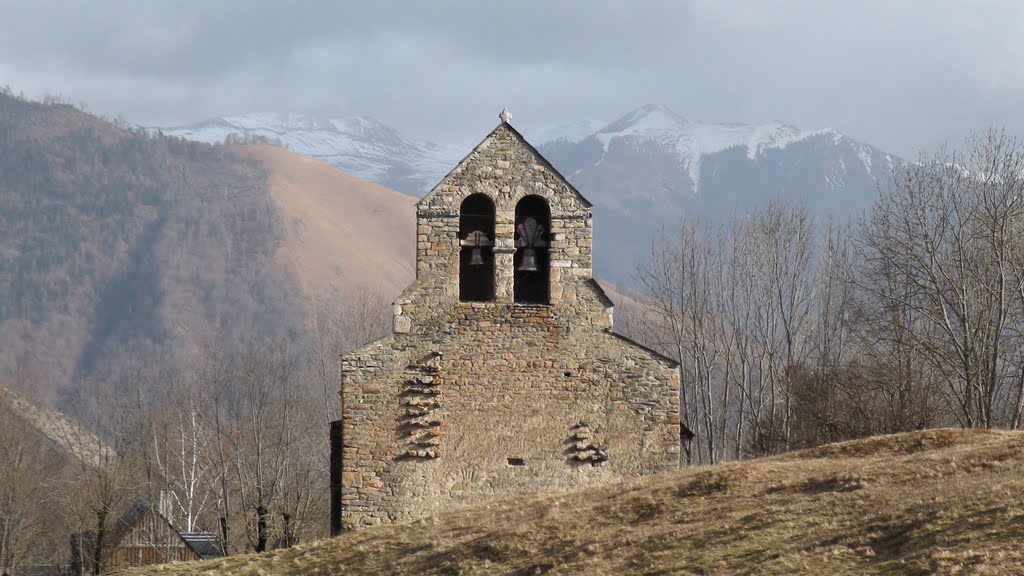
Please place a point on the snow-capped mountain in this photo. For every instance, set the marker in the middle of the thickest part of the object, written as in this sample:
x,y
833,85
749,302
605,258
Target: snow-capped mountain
x,y
652,165
693,141
360,145
641,171
656,127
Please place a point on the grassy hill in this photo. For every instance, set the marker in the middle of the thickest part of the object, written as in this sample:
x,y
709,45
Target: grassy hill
x,y
932,502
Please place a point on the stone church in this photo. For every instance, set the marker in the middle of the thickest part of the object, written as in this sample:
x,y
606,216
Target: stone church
x,y
502,374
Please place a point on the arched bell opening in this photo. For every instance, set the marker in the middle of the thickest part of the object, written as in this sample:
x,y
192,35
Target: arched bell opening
x,y
532,262
476,252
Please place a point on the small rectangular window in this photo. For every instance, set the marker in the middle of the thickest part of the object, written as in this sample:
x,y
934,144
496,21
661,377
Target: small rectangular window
x,y
516,462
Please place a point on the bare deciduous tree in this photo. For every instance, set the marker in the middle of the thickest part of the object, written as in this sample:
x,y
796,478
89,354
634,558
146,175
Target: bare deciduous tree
x,y
183,442
103,487
950,229
277,445
339,325
27,524
734,305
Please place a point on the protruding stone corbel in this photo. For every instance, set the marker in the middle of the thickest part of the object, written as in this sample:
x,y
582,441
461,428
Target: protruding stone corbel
x,y
420,401
583,449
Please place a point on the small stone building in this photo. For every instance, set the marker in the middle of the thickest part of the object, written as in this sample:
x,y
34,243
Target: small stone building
x,y
502,374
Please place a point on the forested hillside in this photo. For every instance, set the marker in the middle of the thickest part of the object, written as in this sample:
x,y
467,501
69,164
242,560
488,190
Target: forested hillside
x,y
173,298
120,249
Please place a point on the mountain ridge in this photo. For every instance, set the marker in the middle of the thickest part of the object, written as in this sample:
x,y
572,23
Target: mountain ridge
x,y
643,170
652,166
298,132
122,248
360,145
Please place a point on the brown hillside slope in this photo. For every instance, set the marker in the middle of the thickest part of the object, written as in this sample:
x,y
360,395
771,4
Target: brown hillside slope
x,y
342,233
64,434
933,502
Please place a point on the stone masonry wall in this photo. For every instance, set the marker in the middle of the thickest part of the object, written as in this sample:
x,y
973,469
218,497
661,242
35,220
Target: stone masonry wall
x,y
469,400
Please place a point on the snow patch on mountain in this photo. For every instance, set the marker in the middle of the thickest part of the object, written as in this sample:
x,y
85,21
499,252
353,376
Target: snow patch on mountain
x,y
865,157
571,132
692,141
360,145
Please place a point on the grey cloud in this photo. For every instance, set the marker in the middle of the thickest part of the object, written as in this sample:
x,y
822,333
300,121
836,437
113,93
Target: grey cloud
x,y
902,75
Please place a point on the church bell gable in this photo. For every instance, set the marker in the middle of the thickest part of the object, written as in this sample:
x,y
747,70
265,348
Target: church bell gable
x,y
539,239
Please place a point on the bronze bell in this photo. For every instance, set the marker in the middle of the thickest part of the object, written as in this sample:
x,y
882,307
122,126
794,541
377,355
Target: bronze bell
x,y
529,261
476,257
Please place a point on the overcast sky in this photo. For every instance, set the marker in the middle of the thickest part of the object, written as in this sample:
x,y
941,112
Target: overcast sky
x,y
903,75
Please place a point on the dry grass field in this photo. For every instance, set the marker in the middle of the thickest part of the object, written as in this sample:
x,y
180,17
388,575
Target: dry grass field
x,y
932,502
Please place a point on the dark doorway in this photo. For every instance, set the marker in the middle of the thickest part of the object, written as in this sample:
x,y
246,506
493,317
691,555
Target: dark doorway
x,y
476,255
532,265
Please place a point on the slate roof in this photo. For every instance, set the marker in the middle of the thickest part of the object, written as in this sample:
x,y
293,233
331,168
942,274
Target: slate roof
x,y
128,520
206,544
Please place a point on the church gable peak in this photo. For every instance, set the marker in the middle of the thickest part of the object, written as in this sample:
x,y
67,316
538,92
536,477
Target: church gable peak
x,y
505,167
